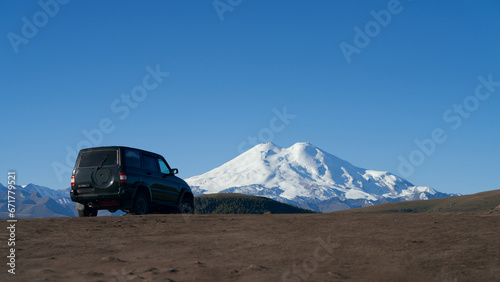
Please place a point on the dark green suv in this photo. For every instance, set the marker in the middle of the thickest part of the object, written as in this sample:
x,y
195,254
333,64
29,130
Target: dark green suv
x,y
132,180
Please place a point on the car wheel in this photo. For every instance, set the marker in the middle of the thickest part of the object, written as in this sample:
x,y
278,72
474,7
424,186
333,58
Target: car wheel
x,y
186,207
141,205
87,211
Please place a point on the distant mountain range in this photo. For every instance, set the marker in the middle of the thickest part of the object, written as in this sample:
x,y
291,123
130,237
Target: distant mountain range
x,y
307,177
302,175
33,201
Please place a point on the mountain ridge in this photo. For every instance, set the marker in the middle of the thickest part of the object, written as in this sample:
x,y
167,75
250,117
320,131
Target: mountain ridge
x,y
32,201
35,201
487,201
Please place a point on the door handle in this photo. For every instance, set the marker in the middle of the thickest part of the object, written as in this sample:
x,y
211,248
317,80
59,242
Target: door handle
x,y
148,173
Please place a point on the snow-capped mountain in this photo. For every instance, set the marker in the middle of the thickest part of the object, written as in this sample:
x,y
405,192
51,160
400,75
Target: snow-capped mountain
x,y
306,176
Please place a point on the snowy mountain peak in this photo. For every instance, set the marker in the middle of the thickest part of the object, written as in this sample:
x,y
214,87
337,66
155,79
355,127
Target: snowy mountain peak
x,y
265,146
45,191
304,172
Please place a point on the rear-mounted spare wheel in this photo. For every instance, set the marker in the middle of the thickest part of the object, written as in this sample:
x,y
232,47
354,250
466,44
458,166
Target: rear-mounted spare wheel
x,y
102,178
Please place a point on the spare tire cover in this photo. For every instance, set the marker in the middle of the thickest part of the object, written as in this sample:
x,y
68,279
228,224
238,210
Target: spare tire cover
x,y
102,178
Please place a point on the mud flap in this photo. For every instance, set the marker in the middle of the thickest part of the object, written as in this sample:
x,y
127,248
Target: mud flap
x,y
80,207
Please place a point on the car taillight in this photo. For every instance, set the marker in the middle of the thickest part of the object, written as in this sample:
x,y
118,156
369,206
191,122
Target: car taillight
x,y
123,177
72,181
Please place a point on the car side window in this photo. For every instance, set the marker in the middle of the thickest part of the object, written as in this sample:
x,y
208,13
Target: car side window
x,y
150,164
163,167
133,158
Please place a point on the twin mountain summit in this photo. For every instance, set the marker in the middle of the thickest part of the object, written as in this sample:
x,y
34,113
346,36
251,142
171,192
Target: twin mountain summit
x,y
301,175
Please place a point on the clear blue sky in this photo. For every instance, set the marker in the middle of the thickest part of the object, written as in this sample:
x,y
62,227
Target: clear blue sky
x,y
65,67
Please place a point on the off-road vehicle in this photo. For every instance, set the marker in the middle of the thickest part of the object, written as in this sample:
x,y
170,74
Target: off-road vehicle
x,y
132,180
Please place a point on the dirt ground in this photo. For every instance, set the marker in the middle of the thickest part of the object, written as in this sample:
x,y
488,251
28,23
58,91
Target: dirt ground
x,y
270,247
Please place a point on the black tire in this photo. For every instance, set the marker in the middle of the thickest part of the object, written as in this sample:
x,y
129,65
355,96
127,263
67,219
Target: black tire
x,y
186,206
87,211
141,204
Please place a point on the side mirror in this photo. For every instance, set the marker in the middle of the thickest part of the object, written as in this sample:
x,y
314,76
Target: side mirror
x,y
174,171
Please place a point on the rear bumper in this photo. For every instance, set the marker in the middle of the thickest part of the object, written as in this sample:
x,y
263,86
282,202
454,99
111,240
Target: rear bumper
x,y
124,198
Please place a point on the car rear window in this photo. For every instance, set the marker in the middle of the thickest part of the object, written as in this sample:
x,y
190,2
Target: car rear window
x,y
96,158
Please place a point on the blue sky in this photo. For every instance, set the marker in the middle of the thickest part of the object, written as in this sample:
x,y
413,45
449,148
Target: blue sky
x,y
272,70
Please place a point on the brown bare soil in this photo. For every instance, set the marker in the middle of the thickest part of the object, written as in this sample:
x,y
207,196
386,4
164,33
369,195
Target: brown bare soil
x,y
270,247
